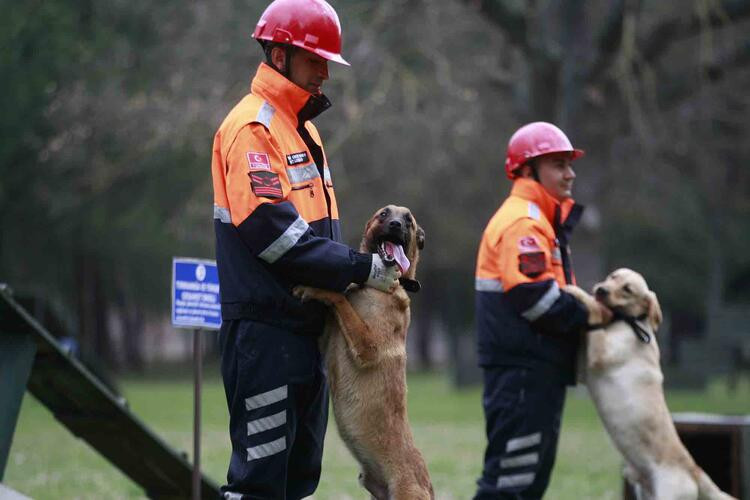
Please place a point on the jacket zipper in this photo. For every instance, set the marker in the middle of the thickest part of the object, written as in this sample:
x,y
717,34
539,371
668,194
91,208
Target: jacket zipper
x,y
309,185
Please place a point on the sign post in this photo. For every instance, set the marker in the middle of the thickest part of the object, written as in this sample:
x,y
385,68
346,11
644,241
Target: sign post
x,y
196,305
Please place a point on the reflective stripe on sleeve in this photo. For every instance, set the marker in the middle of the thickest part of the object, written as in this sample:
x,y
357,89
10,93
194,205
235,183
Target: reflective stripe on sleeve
x,y
266,449
327,175
488,285
286,241
543,304
222,214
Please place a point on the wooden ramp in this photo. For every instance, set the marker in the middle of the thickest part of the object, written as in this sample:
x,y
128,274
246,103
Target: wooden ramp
x,y
80,402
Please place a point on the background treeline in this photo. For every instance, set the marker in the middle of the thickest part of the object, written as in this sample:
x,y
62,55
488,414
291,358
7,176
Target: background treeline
x,y
109,109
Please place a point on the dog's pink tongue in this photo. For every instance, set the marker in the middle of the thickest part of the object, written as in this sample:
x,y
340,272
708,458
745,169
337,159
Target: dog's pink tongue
x,y
398,253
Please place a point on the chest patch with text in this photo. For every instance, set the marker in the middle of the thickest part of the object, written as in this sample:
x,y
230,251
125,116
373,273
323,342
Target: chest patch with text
x,y
266,184
297,158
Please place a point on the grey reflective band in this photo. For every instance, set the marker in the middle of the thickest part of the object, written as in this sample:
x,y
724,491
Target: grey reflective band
x,y
519,460
265,114
327,175
286,241
523,442
515,480
266,398
488,285
267,449
302,174
543,304
265,423
222,214
230,495
556,255
534,211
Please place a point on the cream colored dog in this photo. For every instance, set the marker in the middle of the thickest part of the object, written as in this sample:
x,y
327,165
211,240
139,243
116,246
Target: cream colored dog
x,y
365,353
624,378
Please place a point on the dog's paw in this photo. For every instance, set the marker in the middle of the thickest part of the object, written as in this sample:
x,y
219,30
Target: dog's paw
x,y
306,293
594,308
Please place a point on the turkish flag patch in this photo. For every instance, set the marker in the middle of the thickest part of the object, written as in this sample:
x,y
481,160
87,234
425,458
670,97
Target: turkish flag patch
x,y
258,161
532,264
528,244
266,184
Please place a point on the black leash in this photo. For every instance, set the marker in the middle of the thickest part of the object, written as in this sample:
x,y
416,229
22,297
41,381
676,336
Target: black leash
x,y
640,332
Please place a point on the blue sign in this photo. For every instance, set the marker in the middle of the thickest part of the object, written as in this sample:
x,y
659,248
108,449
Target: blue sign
x,y
195,293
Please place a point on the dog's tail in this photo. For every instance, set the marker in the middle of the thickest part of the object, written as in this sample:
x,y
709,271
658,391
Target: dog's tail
x,y
707,490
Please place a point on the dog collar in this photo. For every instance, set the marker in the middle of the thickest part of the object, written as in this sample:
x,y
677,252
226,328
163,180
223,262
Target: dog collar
x,y
410,285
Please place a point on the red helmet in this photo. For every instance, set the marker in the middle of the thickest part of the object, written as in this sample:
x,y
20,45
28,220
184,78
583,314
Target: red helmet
x,y
312,25
536,139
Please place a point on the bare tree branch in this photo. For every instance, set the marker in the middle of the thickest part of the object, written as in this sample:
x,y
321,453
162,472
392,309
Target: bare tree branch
x,y
607,41
681,27
679,89
512,22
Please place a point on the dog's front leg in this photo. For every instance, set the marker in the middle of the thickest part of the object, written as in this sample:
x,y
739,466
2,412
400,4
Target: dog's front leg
x,y
361,340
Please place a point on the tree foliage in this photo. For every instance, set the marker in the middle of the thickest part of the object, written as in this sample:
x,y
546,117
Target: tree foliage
x,y
109,109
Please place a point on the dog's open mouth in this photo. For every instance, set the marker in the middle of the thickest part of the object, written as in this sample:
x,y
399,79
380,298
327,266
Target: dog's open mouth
x,y
392,252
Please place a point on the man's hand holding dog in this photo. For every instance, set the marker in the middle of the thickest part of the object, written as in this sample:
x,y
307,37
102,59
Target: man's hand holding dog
x,y
384,278
599,314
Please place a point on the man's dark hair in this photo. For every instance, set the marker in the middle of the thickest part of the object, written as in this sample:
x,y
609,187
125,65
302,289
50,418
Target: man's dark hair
x,y
288,51
533,163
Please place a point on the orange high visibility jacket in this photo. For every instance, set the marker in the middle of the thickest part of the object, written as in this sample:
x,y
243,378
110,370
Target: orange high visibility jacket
x,y
523,315
275,213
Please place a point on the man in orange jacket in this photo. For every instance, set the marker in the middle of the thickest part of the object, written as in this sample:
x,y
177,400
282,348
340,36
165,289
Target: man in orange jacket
x,y
527,325
277,226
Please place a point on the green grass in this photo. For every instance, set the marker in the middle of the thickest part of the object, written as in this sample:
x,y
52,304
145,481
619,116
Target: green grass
x,y
47,462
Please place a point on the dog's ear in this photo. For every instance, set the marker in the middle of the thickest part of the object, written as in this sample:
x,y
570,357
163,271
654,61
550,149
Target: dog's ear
x,y
654,311
420,238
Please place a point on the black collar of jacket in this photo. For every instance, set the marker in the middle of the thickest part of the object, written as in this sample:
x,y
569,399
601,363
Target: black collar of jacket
x,y
410,285
641,333
565,227
315,105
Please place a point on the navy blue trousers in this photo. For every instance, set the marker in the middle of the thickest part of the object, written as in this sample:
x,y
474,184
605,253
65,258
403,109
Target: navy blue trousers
x,y
277,397
523,408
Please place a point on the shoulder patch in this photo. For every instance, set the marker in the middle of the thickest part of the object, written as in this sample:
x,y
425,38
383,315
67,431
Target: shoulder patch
x,y
528,244
532,264
258,161
266,184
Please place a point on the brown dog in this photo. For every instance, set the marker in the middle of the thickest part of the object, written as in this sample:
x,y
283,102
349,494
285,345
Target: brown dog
x,y
624,378
365,353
